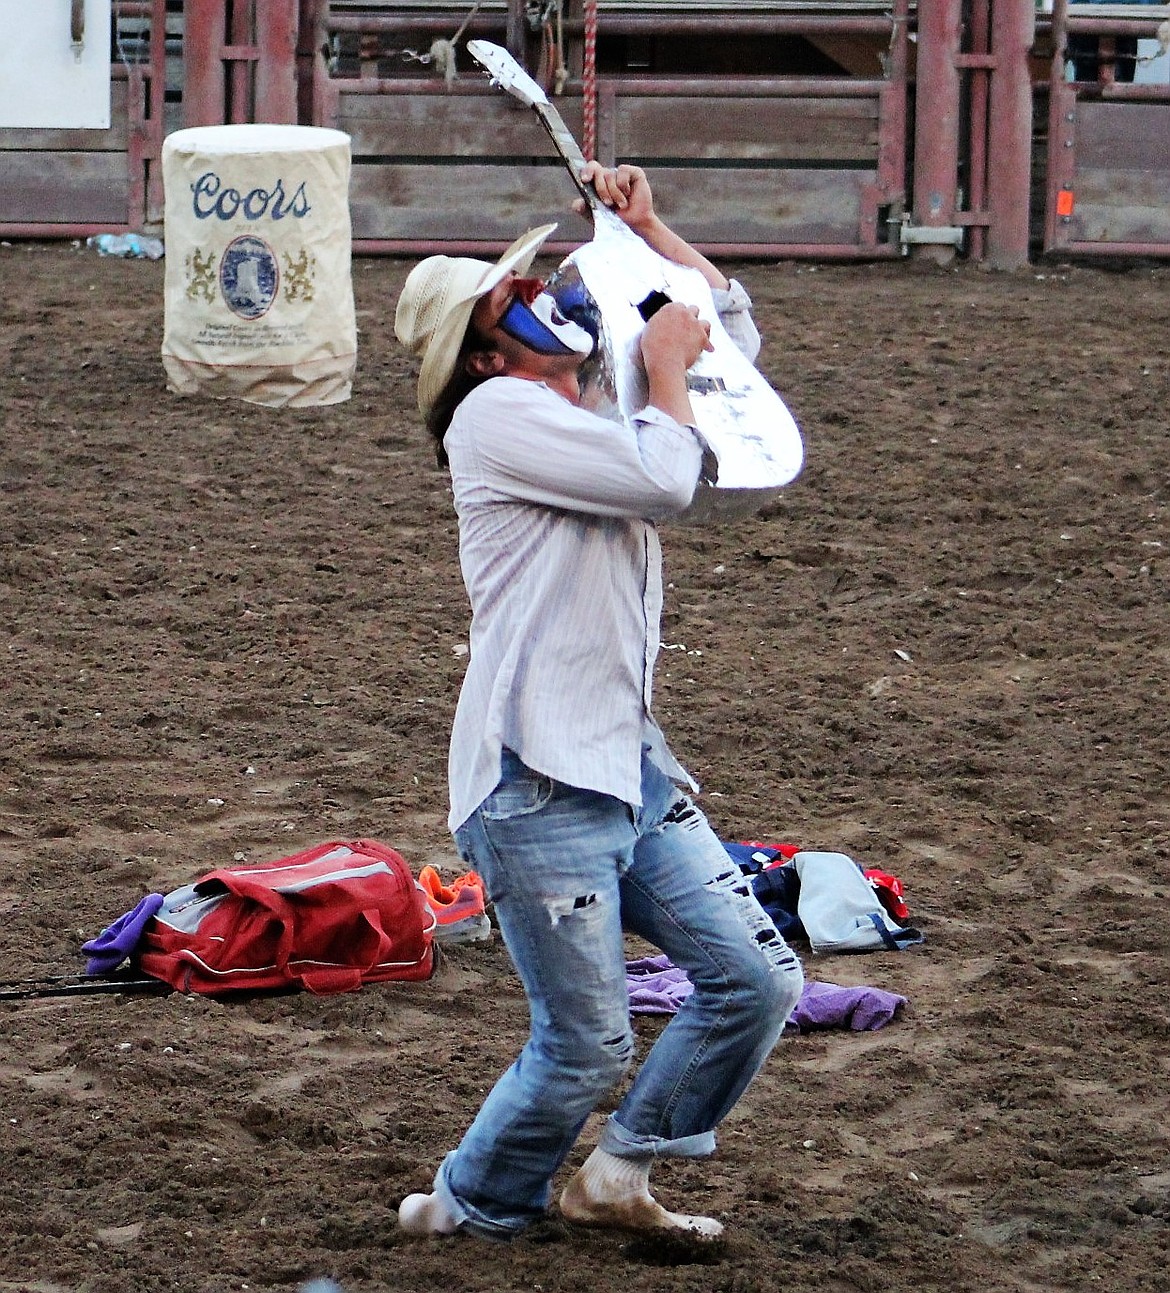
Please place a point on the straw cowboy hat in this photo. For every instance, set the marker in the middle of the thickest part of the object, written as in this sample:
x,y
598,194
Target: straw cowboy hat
x,y
436,304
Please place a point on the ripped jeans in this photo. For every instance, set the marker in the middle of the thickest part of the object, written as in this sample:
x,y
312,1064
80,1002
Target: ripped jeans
x,y
567,869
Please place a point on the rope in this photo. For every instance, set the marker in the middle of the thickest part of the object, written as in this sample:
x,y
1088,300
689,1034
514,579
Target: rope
x,y
551,70
561,75
589,81
442,52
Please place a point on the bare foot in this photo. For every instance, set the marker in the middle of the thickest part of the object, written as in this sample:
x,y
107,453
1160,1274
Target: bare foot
x,y
584,1202
424,1214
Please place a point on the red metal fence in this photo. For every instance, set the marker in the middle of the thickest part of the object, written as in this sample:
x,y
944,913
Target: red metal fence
x,y
973,128
851,130
240,61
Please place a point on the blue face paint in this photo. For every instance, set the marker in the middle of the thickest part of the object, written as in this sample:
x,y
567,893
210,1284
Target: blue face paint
x,y
575,303
542,328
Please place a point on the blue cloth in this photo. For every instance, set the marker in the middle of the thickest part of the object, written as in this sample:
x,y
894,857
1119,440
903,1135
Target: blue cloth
x,y
777,888
566,869
117,941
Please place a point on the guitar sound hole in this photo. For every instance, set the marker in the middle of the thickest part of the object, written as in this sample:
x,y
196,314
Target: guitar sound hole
x,y
651,304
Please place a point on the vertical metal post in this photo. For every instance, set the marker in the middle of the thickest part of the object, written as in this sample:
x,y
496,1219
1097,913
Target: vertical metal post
x,y
1059,194
138,87
980,42
323,92
157,103
891,177
936,121
1009,180
276,69
203,78
240,71
310,40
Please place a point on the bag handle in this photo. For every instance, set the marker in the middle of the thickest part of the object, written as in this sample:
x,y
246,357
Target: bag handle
x,y
325,980
274,903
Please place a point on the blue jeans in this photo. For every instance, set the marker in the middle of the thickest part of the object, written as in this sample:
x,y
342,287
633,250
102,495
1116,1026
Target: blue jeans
x,y
566,870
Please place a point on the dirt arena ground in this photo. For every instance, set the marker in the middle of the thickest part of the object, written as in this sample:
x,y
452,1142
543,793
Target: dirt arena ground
x,y
231,631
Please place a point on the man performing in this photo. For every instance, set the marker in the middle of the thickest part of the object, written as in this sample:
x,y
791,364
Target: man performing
x,y
564,795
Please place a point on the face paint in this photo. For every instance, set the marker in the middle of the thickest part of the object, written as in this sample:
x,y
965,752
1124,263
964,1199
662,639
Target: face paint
x,y
540,326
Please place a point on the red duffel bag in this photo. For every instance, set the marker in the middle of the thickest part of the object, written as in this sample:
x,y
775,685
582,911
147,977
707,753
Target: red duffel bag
x,y
327,919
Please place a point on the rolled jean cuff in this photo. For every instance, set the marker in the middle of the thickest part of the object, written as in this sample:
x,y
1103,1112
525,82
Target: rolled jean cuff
x,y
467,1217
619,1142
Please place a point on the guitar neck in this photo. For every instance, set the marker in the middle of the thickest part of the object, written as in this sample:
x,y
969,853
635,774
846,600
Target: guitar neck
x,y
569,150
510,76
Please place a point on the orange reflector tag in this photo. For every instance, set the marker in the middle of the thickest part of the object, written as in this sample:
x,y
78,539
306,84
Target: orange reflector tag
x,y
1064,202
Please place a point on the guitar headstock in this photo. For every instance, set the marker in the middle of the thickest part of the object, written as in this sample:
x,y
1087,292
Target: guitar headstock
x,y
506,72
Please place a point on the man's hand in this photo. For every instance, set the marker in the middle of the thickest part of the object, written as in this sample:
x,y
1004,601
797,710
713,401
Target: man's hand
x,y
671,342
624,189
675,335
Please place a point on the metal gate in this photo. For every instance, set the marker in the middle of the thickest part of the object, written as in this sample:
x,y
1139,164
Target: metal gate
x,y
1108,158
807,162
783,128
973,130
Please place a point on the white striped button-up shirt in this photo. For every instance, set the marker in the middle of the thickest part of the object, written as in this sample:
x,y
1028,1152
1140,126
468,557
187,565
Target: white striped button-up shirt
x,y
563,568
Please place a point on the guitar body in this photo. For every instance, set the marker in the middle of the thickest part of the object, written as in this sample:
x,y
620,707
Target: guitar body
x,y
611,283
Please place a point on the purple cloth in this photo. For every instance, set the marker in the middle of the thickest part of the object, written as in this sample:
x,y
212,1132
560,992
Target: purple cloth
x,y
658,987
117,941
861,1009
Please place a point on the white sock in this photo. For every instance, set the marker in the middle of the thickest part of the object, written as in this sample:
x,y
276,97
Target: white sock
x,y
613,1191
424,1214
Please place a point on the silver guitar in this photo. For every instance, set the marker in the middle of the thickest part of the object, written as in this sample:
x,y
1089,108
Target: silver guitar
x,y
612,284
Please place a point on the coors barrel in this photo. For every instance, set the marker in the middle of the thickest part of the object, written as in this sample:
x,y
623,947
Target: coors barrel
x,y
259,294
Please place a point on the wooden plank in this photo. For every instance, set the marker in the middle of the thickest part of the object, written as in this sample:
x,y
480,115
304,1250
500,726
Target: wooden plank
x,y
1116,205
833,130
65,188
461,202
763,204
709,204
1133,136
776,129
433,125
111,140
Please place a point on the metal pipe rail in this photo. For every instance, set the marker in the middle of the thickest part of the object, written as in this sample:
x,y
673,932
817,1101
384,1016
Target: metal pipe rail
x,y
731,250
629,24
1147,27
796,87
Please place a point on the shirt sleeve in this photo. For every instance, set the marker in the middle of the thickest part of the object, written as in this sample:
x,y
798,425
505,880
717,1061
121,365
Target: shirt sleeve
x,y
524,441
734,308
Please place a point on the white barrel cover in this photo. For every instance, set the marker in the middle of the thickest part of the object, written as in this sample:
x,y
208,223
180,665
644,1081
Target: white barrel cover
x,y
259,294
